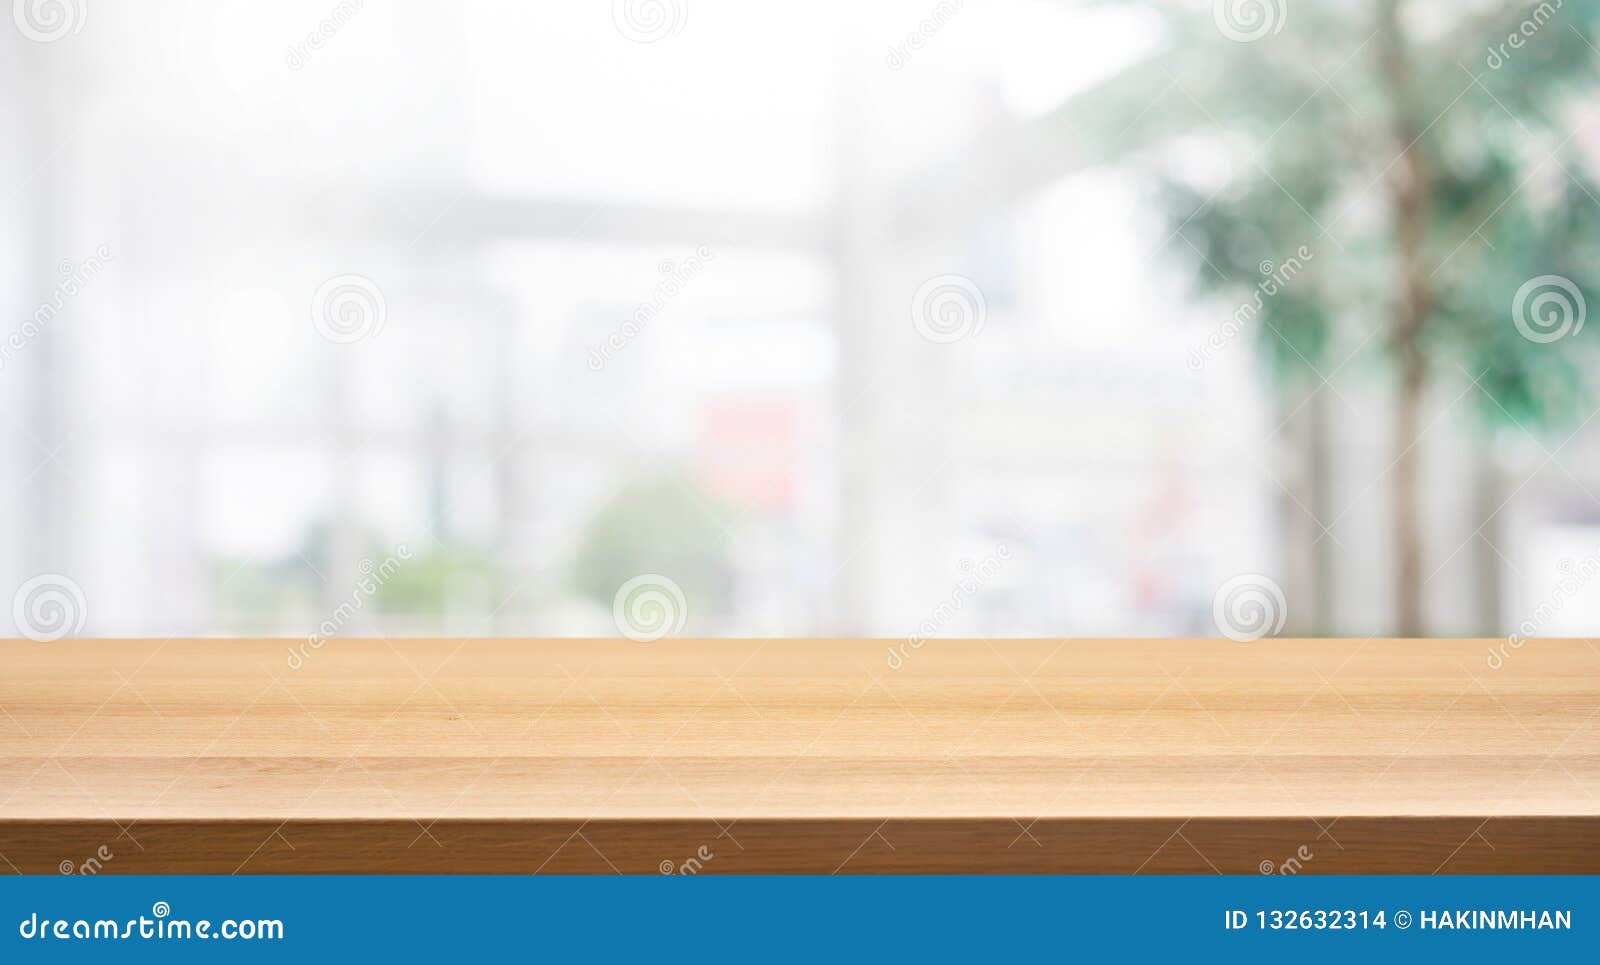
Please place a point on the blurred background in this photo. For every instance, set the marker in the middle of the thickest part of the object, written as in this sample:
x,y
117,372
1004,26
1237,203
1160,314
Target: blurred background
x,y
905,319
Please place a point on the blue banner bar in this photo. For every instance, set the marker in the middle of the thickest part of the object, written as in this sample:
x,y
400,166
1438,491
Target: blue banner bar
x,y
742,919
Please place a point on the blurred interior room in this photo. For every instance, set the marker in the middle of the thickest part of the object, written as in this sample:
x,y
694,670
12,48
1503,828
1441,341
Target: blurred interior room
x,y
933,318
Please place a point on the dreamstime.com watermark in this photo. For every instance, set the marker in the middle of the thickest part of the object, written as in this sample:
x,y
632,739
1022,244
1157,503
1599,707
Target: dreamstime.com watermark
x,y
1574,576
299,54
1540,15
49,607
1548,308
690,866
676,276
75,279
974,576
649,607
46,21
349,308
1290,866
1276,280
90,866
647,21
160,926
948,308
1248,607
373,576
942,13
1245,21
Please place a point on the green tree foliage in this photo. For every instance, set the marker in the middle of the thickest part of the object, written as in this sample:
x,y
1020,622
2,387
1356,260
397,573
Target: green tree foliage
x,y
665,524
1432,156
1311,129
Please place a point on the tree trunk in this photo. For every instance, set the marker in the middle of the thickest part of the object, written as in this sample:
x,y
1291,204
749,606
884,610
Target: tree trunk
x,y
1307,562
1409,197
1407,513
1490,496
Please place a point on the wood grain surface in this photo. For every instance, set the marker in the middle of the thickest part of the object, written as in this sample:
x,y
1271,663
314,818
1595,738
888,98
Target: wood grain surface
x,y
817,756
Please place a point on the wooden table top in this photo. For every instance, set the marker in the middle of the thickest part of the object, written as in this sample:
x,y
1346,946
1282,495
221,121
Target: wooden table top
x,y
521,755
